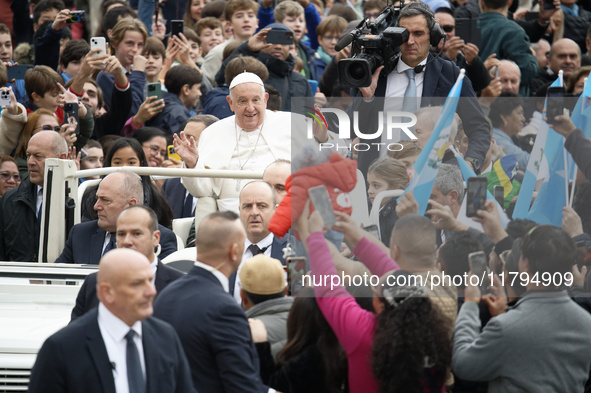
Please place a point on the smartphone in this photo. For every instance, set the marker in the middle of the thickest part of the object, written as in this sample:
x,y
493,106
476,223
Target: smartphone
x,y
554,103
4,97
548,5
17,71
296,269
478,267
476,195
154,90
532,16
429,207
321,201
468,30
177,27
313,85
99,42
499,194
71,115
76,16
172,153
280,37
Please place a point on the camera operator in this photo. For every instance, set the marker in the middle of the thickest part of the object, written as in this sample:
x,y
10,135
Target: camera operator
x,y
432,76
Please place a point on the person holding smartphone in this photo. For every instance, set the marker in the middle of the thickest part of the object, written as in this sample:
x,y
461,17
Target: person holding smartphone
x,y
280,63
128,38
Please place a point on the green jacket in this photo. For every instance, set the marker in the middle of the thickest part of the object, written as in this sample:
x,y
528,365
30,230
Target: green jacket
x,y
510,42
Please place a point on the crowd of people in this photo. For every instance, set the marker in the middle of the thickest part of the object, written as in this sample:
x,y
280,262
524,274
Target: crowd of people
x,y
222,94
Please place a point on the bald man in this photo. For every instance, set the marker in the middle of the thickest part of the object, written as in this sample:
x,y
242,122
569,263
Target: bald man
x,y
20,208
213,328
137,229
276,175
116,347
90,240
510,76
565,55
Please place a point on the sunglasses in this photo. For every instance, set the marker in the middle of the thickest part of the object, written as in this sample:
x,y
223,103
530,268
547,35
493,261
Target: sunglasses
x,y
6,176
448,28
50,128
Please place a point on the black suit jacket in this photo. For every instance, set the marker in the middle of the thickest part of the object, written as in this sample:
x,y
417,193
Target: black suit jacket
x,y
277,248
87,300
75,359
440,76
175,193
214,332
85,244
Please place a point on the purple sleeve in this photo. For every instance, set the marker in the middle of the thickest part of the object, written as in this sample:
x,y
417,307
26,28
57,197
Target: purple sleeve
x,y
348,320
372,256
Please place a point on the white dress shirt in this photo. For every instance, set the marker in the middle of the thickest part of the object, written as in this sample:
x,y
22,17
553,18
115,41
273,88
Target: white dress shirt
x,y
396,85
266,242
219,275
113,331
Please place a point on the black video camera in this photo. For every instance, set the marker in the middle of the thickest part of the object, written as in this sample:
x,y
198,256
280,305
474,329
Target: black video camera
x,y
370,51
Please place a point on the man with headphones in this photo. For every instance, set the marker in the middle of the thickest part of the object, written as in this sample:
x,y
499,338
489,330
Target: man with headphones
x,y
430,78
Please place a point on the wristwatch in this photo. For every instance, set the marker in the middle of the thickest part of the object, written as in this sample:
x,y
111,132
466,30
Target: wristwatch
x,y
475,163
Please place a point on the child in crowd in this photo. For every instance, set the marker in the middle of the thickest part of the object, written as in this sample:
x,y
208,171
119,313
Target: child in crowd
x,y
386,174
211,32
291,14
329,31
193,11
241,15
71,58
41,85
155,52
195,54
128,38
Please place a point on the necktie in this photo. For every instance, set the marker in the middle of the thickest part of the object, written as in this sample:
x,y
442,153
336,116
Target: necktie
x,y
111,244
40,195
135,376
188,206
232,283
255,250
410,94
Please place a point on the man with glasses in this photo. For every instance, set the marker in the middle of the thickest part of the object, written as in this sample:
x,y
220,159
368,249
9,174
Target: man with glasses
x,y
329,31
20,208
465,55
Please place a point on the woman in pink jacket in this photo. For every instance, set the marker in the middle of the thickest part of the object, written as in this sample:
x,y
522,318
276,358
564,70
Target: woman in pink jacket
x,y
403,347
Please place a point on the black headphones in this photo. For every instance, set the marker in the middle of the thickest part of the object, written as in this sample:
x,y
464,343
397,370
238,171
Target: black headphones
x,y
435,32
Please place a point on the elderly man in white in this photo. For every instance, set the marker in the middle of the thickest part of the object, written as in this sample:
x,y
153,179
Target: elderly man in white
x,y
250,140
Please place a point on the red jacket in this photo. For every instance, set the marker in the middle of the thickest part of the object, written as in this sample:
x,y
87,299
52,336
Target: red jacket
x,y
339,175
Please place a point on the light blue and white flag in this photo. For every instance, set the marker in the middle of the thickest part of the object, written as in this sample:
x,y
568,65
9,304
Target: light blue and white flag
x,y
427,164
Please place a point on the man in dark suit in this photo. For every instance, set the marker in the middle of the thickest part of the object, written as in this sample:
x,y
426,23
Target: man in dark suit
x,y
117,346
180,200
257,204
88,241
436,81
212,327
137,230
